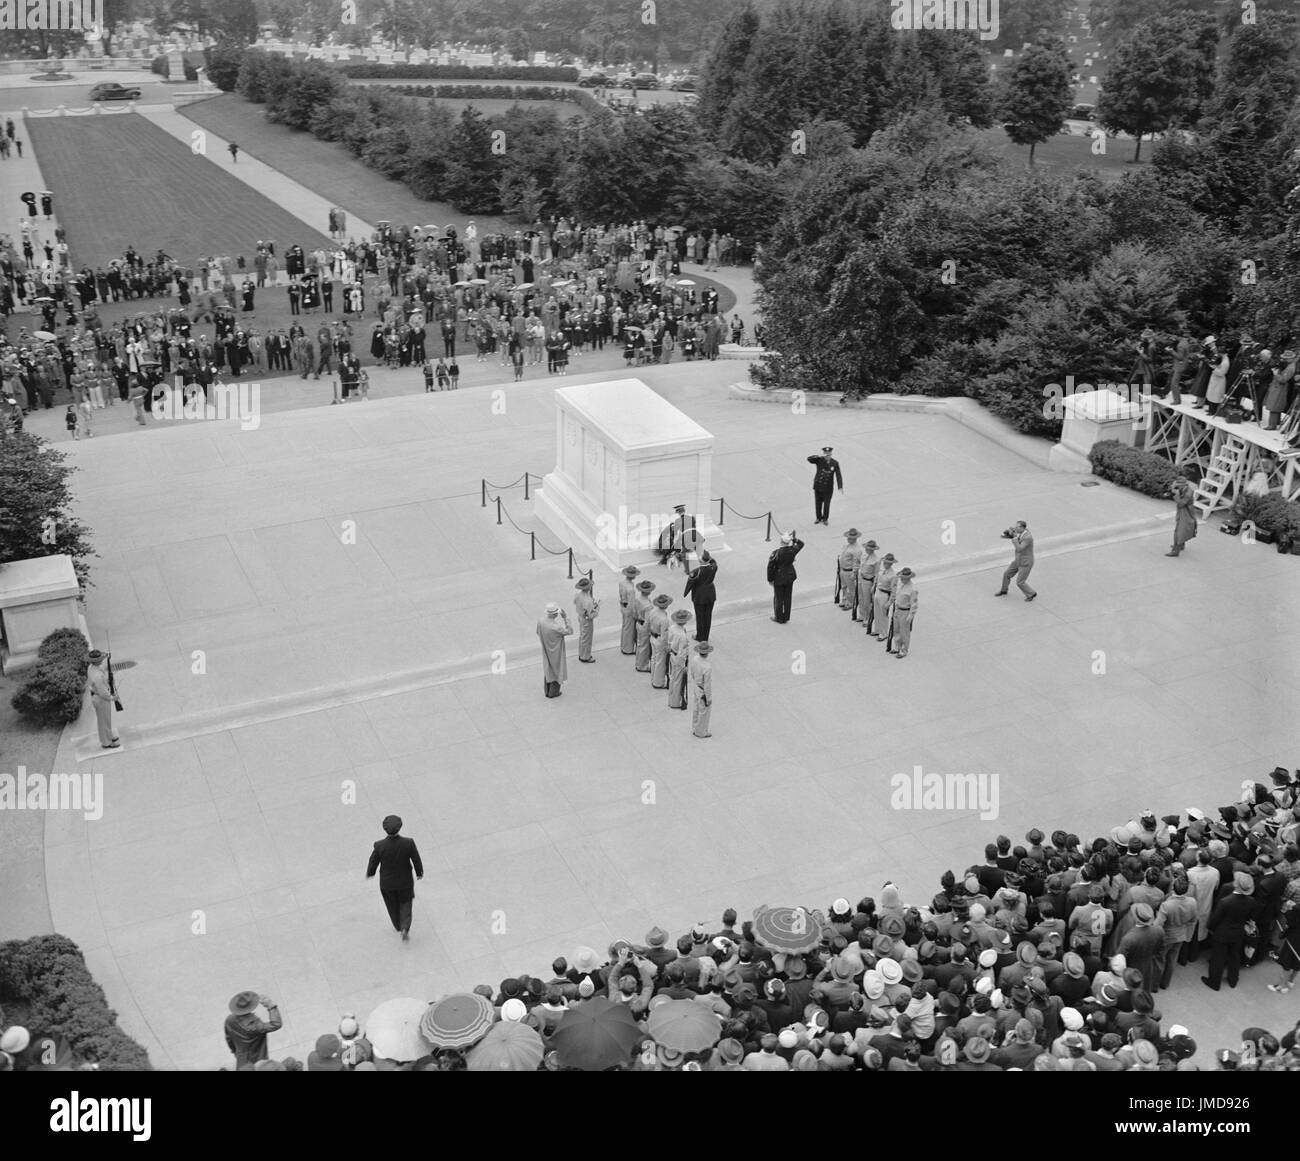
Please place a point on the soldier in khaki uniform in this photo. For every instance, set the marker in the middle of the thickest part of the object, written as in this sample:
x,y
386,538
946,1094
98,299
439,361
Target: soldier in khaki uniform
x,y
850,559
699,682
885,581
679,649
905,604
627,607
657,623
643,609
586,607
867,570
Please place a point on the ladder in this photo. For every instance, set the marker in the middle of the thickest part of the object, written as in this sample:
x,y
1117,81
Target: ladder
x,y
1212,491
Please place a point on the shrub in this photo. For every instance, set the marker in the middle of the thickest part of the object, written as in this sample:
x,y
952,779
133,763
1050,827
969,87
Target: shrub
x,y
36,504
223,63
48,974
160,66
191,72
1142,471
1279,518
53,692
435,72
579,97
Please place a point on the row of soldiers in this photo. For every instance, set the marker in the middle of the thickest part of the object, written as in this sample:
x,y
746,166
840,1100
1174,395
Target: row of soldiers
x,y
885,601
663,648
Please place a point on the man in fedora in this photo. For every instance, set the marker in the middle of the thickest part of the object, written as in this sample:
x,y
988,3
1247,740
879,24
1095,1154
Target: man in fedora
x,y
825,479
906,600
102,698
586,607
394,857
552,629
846,582
627,608
867,569
700,684
781,575
678,647
884,595
1228,930
246,1033
1022,563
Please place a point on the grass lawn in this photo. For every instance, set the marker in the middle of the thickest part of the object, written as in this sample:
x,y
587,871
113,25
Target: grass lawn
x,y
326,167
121,181
1064,153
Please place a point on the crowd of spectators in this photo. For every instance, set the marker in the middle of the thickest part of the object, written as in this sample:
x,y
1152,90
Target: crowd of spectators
x,y
1048,955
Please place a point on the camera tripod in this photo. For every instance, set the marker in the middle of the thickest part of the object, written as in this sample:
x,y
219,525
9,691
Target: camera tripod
x,y
1247,377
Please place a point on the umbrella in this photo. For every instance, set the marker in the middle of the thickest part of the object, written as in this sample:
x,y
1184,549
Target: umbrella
x,y
457,1021
524,285
478,281
507,1047
44,336
637,330
791,930
595,1035
394,1029
685,282
462,284
433,228
684,1026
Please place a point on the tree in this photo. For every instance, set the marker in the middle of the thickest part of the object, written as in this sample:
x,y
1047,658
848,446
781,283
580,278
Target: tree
x,y
725,72
517,44
224,60
1159,77
1036,95
1026,22
473,166
36,504
237,20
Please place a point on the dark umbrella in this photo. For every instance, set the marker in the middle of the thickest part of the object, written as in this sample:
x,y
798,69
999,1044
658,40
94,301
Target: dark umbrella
x,y
595,1035
788,930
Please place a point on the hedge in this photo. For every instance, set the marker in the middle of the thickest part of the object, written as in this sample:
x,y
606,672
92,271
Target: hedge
x,y
160,65
48,974
1275,517
1140,470
578,97
53,692
436,72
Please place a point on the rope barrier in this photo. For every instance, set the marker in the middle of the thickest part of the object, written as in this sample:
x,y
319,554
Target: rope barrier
x,y
533,542
723,505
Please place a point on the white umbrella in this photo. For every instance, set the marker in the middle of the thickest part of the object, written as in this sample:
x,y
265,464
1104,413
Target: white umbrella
x,y
684,282
394,1029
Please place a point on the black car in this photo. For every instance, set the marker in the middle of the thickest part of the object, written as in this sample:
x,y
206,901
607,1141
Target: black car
x,y
686,84
645,81
112,91
594,81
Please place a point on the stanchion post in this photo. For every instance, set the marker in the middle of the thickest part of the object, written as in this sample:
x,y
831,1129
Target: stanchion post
x,y
484,483
525,485
498,509
571,564
532,545
769,527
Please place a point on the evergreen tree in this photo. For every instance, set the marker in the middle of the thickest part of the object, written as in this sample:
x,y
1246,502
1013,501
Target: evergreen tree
x,y
472,167
724,73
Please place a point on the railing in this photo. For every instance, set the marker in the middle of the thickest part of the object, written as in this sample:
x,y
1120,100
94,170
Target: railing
x,y
722,504
533,543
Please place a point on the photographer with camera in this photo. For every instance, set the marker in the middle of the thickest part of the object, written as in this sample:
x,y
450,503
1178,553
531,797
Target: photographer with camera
x,y
1023,563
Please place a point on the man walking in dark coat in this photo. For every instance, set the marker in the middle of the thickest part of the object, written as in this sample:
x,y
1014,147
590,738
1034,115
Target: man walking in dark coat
x,y
699,587
781,576
1227,927
394,857
825,480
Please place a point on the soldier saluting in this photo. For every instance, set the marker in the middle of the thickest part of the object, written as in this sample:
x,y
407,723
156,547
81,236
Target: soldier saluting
x,y
825,480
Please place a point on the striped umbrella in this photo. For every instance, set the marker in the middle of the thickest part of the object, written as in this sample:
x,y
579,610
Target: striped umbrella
x,y
457,1021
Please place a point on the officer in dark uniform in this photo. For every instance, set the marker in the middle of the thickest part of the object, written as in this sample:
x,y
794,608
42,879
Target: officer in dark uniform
x,y
825,480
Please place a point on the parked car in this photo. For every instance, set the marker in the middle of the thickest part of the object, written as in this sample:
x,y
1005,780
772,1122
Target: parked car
x,y
646,81
594,81
687,84
112,91
1082,113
